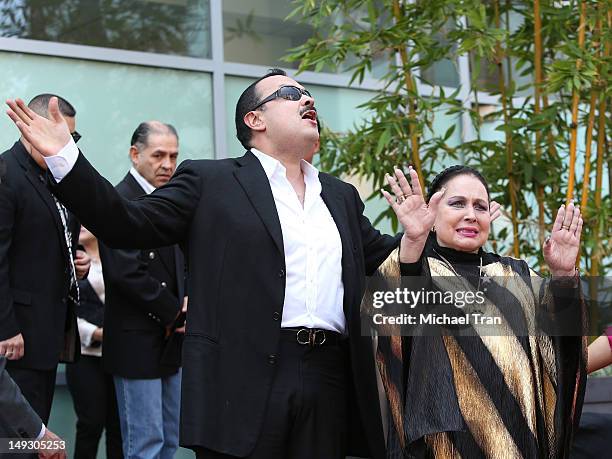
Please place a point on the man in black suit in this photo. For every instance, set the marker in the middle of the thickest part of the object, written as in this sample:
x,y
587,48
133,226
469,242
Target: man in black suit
x,y
144,295
37,270
277,258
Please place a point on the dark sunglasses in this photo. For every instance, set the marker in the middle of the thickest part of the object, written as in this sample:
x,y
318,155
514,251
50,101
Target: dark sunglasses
x,y
284,92
75,136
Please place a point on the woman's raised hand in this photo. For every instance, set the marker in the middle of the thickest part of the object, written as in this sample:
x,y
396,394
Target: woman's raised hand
x,y
562,247
415,215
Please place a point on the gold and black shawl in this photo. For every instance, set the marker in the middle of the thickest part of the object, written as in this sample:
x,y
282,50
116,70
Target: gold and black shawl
x,y
511,396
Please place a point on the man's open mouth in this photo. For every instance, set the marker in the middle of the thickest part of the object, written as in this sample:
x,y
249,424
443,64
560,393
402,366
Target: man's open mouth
x,y
310,115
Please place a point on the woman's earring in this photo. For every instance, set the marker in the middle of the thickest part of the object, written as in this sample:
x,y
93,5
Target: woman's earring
x,y
433,229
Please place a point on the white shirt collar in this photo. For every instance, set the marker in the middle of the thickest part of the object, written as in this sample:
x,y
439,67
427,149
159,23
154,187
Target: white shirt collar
x,y
146,186
272,165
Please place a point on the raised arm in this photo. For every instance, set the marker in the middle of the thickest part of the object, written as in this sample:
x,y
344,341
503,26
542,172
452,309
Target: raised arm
x,y
159,219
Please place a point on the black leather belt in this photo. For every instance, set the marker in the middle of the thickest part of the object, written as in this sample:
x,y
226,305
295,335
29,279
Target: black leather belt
x,y
312,336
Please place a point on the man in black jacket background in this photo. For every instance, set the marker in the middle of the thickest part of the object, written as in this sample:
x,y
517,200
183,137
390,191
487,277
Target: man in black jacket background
x,y
37,271
144,296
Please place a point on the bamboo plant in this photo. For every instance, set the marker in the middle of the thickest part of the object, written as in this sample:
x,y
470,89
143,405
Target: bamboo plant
x,y
544,61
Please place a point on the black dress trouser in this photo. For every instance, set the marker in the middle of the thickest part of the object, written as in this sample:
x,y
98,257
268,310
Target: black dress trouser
x,y
306,413
95,404
37,386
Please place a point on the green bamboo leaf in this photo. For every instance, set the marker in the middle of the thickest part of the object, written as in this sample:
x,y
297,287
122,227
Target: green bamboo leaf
x,y
449,132
383,140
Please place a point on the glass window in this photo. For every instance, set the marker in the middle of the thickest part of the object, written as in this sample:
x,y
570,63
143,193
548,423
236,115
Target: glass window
x,y
176,27
111,100
256,32
514,77
442,72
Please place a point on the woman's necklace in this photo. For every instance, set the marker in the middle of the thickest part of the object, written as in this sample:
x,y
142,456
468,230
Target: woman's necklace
x,y
480,273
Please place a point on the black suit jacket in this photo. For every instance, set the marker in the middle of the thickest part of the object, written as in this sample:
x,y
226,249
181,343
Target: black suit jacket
x,y
223,213
144,291
17,418
34,266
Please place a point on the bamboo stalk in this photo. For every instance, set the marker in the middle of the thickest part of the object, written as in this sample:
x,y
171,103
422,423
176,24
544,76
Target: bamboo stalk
x,y
587,152
590,125
552,147
601,140
587,161
398,13
508,139
575,100
537,27
601,149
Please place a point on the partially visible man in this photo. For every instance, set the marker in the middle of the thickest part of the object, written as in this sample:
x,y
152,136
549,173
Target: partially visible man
x,y
144,294
19,421
38,273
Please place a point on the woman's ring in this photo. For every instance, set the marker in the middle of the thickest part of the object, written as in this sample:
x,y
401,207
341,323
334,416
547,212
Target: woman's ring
x,y
401,198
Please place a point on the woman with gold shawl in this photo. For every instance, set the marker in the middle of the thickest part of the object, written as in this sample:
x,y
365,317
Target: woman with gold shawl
x,y
472,395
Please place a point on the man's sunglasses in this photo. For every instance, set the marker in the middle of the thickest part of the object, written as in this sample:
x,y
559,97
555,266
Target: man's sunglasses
x,y
75,136
284,92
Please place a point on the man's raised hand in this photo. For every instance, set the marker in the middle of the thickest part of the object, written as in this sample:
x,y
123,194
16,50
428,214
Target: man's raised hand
x,y
48,136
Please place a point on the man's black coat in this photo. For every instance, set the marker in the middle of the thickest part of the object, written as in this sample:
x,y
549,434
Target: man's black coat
x,y
144,291
223,213
34,266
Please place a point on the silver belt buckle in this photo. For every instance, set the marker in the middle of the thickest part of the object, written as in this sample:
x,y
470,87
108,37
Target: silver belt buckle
x,y
314,337
303,336
309,337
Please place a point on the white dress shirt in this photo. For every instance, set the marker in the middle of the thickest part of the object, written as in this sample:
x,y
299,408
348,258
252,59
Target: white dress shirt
x,y
146,186
87,329
64,161
314,292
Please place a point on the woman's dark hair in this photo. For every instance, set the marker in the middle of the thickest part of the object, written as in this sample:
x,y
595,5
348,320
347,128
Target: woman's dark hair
x,y
450,172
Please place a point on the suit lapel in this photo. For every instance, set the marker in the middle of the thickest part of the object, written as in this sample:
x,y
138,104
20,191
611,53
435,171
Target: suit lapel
x,y
135,188
38,182
135,191
256,185
334,201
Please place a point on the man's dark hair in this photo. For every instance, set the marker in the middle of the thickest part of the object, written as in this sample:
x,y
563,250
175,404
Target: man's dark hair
x,y
40,105
450,172
248,99
140,137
